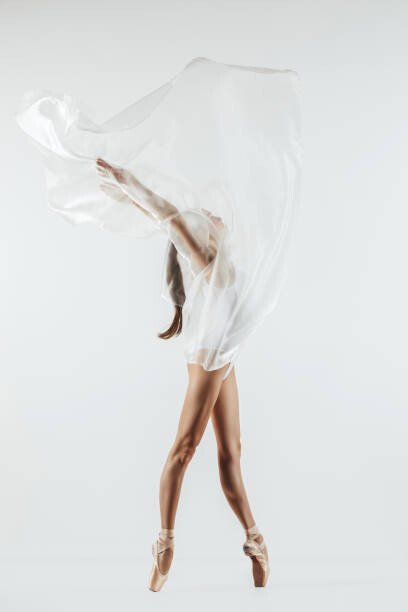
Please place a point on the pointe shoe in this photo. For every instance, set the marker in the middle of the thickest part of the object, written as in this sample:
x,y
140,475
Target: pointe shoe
x,y
163,542
259,557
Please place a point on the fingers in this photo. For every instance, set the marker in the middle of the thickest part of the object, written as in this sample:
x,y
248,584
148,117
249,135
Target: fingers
x,y
102,164
113,191
102,168
105,169
110,176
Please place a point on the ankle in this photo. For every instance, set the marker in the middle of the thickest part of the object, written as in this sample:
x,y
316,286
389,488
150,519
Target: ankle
x,y
253,533
167,533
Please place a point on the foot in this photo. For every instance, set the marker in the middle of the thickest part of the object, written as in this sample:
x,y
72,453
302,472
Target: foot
x,y
162,550
255,547
165,559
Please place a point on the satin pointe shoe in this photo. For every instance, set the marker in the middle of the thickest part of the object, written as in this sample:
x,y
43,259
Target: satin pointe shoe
x,y
163,542
258,554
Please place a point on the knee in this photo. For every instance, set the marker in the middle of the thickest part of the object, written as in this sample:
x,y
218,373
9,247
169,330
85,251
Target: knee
x,y
229,454
184,449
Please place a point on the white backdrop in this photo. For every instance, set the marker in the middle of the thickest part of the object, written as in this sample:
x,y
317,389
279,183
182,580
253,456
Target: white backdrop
x,y
90,396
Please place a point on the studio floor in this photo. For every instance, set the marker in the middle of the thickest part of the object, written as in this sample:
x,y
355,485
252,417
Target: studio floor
x,y
87,586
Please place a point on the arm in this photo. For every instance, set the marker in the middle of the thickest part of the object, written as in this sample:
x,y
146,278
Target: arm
x,y
199,255
159,209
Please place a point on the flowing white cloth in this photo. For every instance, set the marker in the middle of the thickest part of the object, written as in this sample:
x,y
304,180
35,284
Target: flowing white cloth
x,y
216,137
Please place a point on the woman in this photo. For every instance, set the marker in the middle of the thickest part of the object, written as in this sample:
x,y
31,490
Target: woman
x,y
217,136
209,393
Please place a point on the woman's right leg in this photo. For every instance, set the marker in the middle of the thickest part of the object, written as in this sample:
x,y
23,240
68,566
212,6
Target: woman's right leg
x,y
202,392
226,424
225,419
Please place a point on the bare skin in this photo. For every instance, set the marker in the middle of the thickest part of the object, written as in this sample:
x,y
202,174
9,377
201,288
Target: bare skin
x,y
122,185
207,395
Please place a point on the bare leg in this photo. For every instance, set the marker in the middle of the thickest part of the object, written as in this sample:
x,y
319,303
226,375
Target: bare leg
x,y
226,424
202,392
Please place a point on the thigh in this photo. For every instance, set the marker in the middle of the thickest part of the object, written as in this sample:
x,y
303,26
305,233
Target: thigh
x,y
202,392
225,416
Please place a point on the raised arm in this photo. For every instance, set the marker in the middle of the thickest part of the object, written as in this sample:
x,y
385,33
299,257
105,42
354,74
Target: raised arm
x,y
122,185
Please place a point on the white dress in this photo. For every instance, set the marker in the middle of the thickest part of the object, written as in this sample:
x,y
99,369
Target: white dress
x,y
216,137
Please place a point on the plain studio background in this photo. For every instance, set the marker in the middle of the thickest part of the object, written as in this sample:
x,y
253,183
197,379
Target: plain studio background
x,y
91,397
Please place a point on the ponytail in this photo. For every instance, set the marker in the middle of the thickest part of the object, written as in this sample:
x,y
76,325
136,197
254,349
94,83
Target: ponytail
x,y
174,278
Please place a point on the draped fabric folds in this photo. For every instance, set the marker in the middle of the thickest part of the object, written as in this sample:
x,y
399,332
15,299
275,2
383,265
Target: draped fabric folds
x,y
212,160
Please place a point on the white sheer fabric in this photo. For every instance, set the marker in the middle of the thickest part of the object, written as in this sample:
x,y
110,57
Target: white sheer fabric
x,y
212,159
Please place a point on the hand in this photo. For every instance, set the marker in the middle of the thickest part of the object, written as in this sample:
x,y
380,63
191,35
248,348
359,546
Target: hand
x,y
114,191
127,182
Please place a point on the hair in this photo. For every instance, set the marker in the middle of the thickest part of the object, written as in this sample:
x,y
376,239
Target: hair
x,y
174,278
